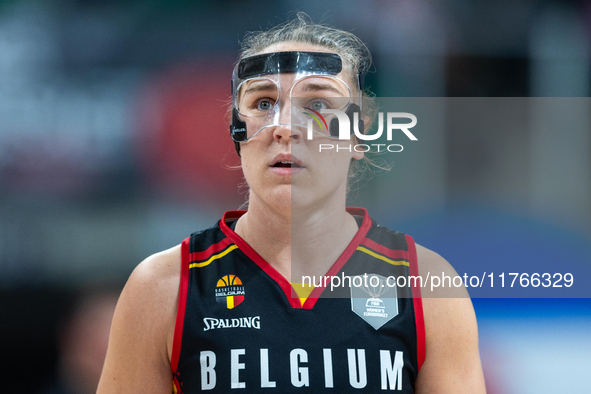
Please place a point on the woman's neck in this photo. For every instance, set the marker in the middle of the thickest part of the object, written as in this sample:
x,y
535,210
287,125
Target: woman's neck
x,y
306,242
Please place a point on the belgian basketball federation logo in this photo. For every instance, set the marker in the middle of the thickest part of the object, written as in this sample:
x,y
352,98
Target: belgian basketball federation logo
x,y
374,301
229,291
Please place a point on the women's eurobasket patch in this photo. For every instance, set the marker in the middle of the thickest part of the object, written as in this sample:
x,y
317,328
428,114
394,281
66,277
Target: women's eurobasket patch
x,y
373,300
229,291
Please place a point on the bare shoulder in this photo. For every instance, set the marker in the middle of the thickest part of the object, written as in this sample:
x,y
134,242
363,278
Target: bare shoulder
x,y
157,277
154,284
431,262
452,360
142,331
445,307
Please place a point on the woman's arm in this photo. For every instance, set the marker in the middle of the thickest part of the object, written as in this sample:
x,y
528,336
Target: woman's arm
x,y
452,360
140,343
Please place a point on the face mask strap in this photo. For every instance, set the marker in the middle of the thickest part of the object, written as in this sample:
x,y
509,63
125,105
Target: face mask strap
x,y
361,80
288,62
237,130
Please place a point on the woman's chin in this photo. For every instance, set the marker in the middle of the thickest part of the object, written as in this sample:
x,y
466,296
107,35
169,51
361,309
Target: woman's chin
x,y
291,199
288,198
280,199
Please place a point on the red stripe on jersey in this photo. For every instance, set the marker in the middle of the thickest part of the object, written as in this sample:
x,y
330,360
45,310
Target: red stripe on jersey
x,y
256,258
180,313
394,254
198,256
345,256
290,293
417,301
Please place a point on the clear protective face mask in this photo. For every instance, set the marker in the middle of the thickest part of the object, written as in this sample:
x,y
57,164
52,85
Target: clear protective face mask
x,y
290,89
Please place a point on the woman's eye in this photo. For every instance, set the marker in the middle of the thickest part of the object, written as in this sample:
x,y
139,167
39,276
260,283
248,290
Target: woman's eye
x,y
318,105
264,105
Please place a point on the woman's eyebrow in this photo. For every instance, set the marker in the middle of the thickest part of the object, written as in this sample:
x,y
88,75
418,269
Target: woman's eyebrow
x,y
316,87
261,87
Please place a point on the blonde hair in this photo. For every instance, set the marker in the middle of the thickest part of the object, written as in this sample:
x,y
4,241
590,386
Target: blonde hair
x,y
354,53
302,30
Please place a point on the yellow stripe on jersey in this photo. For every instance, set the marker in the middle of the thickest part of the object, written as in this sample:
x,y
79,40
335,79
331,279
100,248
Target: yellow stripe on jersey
x,y
230,302
214,257
384,258
302,291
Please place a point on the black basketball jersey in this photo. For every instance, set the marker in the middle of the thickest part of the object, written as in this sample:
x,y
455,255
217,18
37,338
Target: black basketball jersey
x,y
241,327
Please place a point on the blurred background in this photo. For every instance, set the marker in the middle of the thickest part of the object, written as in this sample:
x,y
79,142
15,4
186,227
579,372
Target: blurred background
x,y
114,145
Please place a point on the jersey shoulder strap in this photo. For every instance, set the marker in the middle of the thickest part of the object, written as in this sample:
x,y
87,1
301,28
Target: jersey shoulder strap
x,y
198,250
395,247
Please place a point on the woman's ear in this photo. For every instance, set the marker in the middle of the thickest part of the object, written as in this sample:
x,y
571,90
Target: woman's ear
x,y
367,121
357,155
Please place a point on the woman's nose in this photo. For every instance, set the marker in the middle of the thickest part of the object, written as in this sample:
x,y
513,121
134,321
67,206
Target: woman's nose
x,y
285,132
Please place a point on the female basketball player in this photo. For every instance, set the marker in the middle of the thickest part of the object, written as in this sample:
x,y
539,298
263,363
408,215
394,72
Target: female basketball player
x,y
220,312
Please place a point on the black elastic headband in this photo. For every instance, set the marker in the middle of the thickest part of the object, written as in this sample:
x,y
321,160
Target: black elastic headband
x,y
285,62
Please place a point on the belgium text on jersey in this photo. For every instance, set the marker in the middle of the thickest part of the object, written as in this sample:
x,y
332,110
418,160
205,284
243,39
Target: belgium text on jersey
x,y
211,323
390,368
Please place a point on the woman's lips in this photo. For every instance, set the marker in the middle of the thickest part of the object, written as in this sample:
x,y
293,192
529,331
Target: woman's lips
x,y
286,165
286,171
286,158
